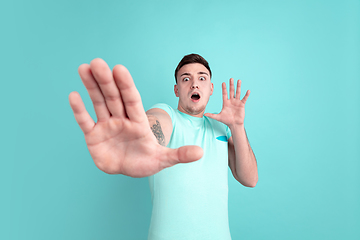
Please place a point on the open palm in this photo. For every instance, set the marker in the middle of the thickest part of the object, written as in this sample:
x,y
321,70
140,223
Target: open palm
x,y
121,141
233,110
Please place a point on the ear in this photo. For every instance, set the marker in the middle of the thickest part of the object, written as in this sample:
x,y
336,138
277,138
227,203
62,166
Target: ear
x,y
176,90
212,89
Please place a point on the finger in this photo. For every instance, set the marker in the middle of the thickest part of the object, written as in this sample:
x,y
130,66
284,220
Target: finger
x,y
238,89
101,110
224,92
185,154
129,94
82,117
232,89
108,87
246,96
213,116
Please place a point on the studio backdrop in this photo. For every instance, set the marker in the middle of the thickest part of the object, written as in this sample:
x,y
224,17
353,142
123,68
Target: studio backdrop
x,y
300,59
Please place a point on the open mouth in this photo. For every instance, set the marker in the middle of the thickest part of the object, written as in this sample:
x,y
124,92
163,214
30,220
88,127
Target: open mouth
x,y
195,96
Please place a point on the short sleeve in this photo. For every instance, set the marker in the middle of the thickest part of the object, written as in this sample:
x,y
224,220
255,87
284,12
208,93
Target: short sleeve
x,y
166,108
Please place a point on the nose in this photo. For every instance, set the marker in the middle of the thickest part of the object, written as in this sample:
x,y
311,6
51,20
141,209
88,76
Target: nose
x,y
194,85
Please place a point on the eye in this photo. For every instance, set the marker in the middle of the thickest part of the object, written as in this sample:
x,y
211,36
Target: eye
x,y
202,78
186,79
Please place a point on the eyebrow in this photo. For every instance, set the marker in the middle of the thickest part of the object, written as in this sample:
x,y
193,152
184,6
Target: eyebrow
x,y
188,74
203,73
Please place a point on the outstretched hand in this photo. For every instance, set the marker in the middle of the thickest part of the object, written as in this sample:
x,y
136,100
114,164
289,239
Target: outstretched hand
x,y
233,110
121,141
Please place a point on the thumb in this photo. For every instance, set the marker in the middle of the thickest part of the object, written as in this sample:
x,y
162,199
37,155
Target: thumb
x,y
213,116
185,154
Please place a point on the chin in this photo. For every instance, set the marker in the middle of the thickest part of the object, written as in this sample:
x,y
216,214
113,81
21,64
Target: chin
x,y
195,111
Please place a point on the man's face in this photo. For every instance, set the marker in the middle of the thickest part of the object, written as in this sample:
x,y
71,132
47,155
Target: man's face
x,y
194,88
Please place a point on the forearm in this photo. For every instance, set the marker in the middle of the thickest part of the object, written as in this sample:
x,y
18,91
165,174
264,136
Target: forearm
x,y
243,158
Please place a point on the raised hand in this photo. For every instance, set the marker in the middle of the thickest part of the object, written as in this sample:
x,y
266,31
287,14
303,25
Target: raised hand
x,y
121,141
233,110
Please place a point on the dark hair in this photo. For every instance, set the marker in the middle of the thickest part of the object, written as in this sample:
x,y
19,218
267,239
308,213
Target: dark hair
x,y
192,58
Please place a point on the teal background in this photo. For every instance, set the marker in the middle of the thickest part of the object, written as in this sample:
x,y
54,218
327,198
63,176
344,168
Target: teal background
x,y
300,59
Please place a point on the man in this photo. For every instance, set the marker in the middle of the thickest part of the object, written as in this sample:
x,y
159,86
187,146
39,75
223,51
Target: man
x,y
189,200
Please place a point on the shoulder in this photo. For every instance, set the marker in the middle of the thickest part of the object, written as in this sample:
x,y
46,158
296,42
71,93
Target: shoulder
x,y
162,110
162,106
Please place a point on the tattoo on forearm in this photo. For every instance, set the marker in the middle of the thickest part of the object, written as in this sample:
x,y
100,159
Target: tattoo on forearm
x,y
156,129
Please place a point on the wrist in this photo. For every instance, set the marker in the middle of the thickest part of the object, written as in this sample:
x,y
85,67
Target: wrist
x,y
236,126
